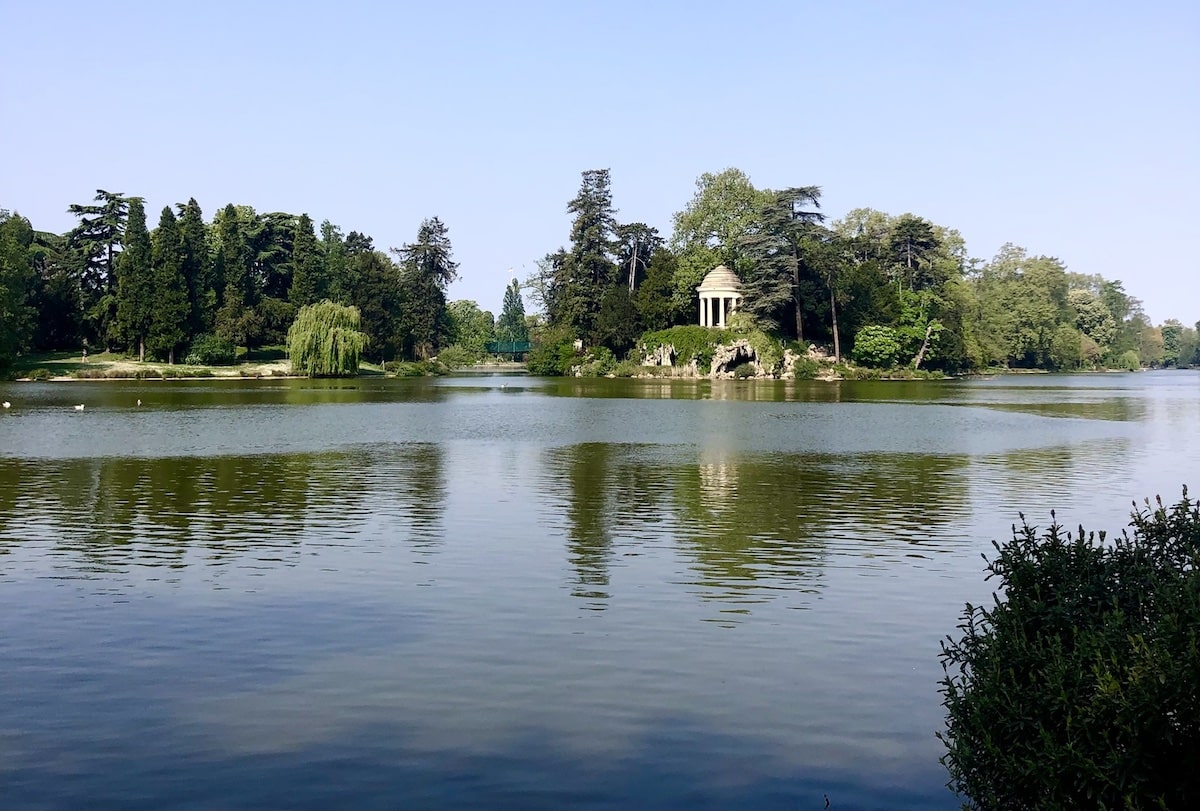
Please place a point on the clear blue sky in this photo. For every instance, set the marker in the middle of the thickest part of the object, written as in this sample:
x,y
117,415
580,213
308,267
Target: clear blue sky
x,y
1070,128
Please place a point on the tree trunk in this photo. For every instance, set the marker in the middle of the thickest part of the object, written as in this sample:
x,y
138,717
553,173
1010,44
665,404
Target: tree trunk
x,y
141,350
171,356
924,347
796,294
837,346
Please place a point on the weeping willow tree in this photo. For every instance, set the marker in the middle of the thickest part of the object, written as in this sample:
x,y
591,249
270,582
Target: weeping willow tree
x,y
325,341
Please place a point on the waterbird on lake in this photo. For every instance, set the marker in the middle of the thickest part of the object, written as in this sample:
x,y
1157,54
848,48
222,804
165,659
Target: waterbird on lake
x,y
139,402
6,404
79,407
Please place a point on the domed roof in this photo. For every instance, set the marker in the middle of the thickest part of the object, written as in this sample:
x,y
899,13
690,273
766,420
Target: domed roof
x,y
720,279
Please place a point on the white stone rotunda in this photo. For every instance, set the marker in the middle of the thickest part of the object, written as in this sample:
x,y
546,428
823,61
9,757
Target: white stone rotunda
x,y
720,296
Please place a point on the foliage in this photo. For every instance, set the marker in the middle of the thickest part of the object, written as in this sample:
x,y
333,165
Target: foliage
x,y
169,314
210,350
778,252
768,351
325,341
690,342
511,327
421,368
243,275
471,329
1081,688
135,285
553,353
876,346
38,374
1129,361
428,268
598,362
805,368
579,277
743,371
457,356
617,324
630,368
16,281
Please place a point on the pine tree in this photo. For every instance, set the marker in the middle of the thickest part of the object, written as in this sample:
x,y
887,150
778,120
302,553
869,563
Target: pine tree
x,y
168,326
511,327
135,285
197,269
17,278
309,283
587,270
233,284
94,245
429,268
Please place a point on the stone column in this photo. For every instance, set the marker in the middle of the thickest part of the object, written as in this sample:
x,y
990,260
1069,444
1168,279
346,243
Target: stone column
x,y
702,310
721,304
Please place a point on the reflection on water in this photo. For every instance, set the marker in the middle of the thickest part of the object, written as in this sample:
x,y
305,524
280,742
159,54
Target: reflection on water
x,y
752,526
519,592
106,514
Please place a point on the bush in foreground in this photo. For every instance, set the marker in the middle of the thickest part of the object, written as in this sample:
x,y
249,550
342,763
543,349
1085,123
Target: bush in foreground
x,y
1079,687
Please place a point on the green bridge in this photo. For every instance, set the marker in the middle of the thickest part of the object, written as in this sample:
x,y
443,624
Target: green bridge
x,y
513,348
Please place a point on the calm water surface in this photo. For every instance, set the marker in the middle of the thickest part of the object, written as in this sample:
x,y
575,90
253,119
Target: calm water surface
x,y
511,592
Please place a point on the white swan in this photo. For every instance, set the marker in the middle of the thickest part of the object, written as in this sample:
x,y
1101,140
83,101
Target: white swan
x,y
6,404
79,407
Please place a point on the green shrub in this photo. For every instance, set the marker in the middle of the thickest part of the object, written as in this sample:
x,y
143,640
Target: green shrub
x,y
1129,361
1080,687
420,368
552,359
38,374
629,368
805,368
743,371
209,350
170,374
876,346
89,374
768,350
457,356
598,362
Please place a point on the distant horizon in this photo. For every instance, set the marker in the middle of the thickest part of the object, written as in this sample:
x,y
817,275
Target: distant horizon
x,y
1068,128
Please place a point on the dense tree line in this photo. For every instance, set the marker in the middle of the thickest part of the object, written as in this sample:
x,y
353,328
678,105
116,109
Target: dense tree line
x,y
882,289
885,290
112,283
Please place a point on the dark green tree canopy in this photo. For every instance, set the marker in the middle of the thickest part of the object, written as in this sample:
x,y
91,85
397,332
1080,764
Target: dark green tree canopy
x,y
511,326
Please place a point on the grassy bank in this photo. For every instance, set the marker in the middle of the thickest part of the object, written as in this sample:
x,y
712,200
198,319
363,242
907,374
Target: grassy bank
x,y
265,362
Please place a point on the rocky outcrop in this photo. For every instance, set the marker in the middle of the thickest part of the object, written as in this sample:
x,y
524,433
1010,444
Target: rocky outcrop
x,y
728,357
662,356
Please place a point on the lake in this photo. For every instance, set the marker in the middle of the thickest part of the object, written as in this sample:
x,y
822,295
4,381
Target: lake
x,y
512,592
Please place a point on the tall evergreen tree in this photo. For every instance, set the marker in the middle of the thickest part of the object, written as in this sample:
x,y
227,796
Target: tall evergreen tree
x,y
168,326
587,269
428,268
776,250
333,262
376,294
234,286
16,281
197,269
94,245
136,292
511,326
309,283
